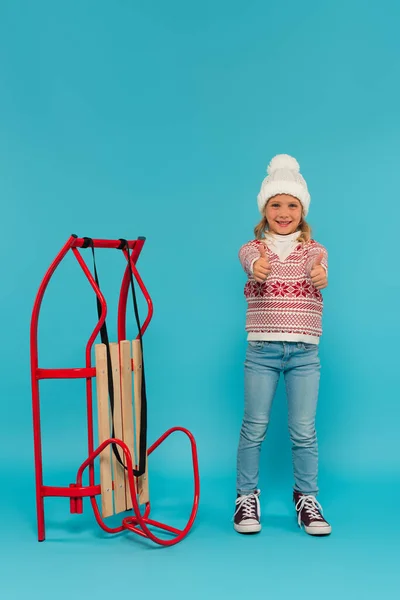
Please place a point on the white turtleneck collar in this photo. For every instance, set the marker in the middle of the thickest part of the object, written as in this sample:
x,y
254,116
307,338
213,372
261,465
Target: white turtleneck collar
x,y
282,245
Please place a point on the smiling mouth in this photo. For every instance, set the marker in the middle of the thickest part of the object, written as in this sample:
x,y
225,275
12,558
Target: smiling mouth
x,y
284,223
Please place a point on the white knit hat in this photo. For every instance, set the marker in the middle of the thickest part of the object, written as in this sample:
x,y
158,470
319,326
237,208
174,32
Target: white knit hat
x,y
283,177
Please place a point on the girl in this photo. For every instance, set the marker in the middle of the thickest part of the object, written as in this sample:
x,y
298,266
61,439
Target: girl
x,y
286,272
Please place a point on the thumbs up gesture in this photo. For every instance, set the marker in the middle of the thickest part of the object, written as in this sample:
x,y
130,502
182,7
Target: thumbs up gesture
x,y
318,273
261,267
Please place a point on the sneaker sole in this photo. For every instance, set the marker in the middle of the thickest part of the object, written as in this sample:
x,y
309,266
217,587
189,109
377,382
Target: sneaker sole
x,y
320,531
247,528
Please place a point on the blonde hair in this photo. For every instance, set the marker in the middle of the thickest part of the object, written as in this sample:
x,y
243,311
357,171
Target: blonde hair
x,y
304,228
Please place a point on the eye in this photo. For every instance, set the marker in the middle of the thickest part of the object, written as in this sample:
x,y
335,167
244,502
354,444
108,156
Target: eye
x,y
275,205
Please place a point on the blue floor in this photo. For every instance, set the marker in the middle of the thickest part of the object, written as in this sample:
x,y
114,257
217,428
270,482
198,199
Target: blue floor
x,y
359,560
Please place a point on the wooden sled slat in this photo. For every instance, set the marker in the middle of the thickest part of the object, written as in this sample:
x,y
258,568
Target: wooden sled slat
x,y
127,411
104,429
118,469
143,481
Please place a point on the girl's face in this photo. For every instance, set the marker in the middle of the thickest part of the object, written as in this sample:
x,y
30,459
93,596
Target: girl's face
x,y
283,213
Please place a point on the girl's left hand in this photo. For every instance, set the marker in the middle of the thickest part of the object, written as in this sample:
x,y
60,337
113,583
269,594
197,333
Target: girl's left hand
x,y
318,274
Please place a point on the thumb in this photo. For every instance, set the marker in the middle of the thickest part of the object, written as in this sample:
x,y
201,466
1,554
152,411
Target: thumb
x,y
319,259
263,251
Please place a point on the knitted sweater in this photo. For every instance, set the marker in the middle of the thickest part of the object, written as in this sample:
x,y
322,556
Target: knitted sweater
x,y
287,306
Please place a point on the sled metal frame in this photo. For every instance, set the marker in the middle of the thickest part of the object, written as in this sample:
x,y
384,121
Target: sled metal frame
x,y
140,522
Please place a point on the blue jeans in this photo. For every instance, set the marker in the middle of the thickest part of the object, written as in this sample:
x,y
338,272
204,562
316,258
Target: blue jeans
x,y
300,365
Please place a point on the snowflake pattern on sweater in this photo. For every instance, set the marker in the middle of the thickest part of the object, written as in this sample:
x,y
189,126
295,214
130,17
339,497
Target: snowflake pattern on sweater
x,y
286,306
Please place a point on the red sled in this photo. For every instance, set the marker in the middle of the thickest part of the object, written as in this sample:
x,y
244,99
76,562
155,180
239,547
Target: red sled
x,y
121,409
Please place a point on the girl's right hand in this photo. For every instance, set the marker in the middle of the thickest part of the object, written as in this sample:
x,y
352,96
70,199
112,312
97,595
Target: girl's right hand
x,y
261,267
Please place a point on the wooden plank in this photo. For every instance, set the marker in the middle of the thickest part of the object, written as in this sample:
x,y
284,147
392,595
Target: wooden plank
x,y
118,469
104,429
127,411
143,480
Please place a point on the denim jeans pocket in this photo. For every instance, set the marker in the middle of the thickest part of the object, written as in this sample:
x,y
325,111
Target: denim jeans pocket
x,y
259,344
304,346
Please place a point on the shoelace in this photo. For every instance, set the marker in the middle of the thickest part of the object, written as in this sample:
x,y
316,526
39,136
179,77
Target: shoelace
x,y
250,505
312,507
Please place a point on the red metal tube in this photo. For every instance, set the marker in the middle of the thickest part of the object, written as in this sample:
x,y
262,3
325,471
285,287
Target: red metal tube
x,y
196,475
98,243
132,488
95,332
138,517
123,297
165,527
100,521
73,491
35,387
65,373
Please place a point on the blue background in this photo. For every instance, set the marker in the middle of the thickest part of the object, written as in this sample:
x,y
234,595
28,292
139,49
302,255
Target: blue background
x,y
121,119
